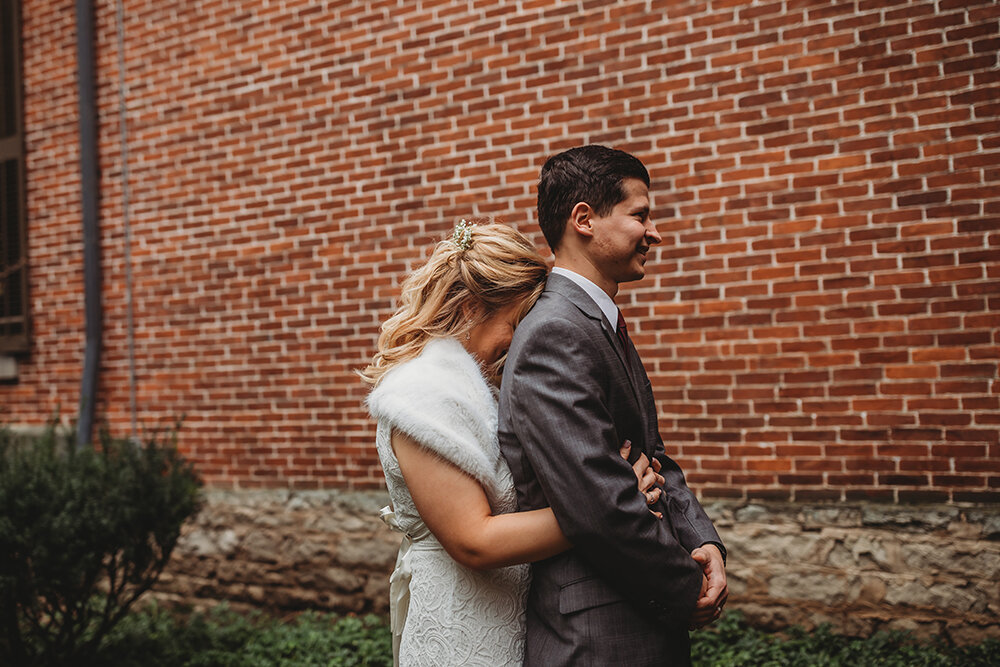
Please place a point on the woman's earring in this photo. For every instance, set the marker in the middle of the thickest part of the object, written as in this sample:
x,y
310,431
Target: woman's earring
x,y
468,335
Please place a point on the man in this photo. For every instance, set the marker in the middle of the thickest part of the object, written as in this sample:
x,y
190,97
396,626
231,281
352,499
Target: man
x,y
573,390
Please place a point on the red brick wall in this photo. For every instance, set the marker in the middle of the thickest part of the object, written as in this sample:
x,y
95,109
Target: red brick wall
x,y
821,321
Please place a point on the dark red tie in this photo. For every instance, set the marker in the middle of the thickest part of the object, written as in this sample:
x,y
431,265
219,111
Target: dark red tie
x,y
622,330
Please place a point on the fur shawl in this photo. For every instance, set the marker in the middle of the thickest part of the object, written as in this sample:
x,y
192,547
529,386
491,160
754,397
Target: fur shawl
x,y
441,400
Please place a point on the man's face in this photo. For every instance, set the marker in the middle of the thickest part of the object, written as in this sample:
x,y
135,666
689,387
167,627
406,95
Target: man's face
x,y
622,237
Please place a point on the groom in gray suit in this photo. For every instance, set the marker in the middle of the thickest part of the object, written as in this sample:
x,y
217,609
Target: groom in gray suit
x,y
573,390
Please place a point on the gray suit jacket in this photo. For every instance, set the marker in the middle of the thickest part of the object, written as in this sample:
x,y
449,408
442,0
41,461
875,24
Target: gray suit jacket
x,y
570,395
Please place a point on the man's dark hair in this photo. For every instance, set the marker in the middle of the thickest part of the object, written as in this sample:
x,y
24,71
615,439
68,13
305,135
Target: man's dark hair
x,y
591,174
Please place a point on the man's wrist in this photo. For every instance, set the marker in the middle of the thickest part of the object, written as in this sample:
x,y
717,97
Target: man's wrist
x,y
720,547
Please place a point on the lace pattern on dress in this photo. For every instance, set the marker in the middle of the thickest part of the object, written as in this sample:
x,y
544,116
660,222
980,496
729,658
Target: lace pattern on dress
x,y
456,616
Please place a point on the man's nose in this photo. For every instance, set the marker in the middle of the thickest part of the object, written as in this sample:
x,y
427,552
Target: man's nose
x,y
652,236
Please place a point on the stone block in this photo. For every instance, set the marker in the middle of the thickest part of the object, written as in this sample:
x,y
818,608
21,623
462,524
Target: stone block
x,y
355,552
262,546
989,522
928,593
868,590
914,518
823,517
341,580
824,586
780,544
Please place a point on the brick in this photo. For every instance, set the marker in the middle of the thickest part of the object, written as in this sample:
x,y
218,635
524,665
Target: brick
x,y
971,435
825,180
977,496
903,480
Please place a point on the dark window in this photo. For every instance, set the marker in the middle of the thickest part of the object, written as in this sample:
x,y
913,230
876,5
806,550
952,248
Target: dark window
x,y
13,242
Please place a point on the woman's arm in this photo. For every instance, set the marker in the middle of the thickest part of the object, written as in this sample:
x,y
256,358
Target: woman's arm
x,y
455,508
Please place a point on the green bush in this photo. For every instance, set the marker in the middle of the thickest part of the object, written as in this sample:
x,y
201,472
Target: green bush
x,y
223,638
83,533
732,642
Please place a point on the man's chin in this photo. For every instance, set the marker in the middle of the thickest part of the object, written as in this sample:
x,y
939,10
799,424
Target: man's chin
x,y
638,270
633,276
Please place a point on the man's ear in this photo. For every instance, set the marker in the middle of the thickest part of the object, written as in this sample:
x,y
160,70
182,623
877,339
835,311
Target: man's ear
x,y
581,219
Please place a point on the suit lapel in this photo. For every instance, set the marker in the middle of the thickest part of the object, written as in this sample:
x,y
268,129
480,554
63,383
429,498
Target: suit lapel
x,y
567,288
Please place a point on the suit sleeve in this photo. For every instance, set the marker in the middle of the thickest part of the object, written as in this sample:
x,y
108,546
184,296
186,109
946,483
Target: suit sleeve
x,y
568,436
692,524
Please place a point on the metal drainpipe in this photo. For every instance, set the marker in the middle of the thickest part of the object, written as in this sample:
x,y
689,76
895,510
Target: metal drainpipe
x,y
85,58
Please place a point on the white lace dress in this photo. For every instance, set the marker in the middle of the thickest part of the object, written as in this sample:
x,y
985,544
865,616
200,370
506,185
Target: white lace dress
x,y
455,616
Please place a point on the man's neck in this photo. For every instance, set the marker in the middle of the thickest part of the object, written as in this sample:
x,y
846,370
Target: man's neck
x,y
587,269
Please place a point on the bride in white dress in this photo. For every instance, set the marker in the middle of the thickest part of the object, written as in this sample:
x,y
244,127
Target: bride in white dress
x,y
458,591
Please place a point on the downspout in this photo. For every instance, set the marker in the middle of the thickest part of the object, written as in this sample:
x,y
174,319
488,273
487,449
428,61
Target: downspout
x,y
85,59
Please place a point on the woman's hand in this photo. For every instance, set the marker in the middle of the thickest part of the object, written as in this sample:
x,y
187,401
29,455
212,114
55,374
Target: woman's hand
x,y
648,476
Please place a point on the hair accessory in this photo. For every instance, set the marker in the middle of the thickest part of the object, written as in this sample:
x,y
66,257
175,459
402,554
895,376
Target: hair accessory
x,y
462,236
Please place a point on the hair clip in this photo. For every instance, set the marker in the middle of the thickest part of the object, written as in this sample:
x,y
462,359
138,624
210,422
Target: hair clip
x,y
462,236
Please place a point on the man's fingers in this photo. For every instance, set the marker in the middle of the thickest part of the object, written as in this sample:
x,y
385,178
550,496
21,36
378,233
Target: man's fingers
x,y
641,470
625,449
702,617
648,480
723,599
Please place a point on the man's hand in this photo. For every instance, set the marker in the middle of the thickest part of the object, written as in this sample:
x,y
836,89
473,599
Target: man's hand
x,y
648,474
714,590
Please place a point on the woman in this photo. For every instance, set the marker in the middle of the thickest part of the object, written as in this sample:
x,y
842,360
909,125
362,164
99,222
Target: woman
x,y
458,592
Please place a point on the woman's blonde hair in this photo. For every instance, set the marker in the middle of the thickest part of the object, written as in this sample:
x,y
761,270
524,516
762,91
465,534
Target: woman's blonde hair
x,y
480,270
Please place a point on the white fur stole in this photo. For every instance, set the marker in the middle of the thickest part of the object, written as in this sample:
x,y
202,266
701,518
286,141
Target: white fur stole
x,y
441,400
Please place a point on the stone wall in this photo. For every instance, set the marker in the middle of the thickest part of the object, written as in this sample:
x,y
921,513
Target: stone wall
x,y
934,570
931,569
285,551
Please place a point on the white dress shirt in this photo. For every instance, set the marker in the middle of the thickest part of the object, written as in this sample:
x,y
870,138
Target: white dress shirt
x,y
600,297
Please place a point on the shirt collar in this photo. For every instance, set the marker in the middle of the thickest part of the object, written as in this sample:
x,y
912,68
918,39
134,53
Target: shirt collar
x,y
600,297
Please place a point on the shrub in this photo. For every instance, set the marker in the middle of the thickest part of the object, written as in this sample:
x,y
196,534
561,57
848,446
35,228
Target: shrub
x,y
223,638
732,642
83,533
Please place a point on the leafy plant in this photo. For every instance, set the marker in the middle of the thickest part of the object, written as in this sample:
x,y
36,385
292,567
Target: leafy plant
x,y
83,533
732,642
224,638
